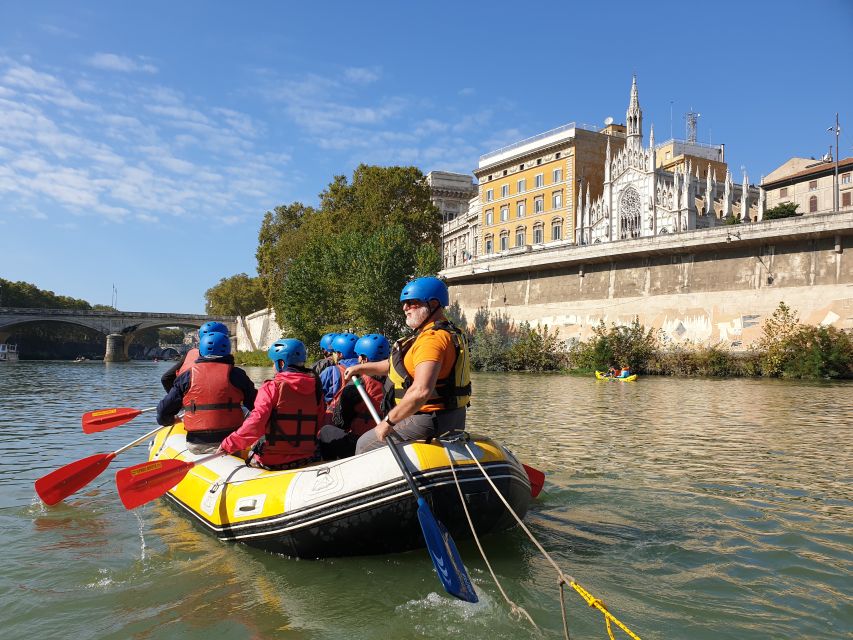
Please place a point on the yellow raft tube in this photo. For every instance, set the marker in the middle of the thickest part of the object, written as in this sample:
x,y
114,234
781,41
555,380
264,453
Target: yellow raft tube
x,y
355,506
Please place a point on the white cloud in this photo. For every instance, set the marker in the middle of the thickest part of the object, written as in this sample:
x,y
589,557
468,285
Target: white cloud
x,y
115,62
362,75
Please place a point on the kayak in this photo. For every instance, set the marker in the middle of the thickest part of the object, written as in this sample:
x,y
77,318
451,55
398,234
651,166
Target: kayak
x,y
601,376
355,506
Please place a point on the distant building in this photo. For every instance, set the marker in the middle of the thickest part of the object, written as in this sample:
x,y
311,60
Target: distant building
x,y
809,183
460,236
450,192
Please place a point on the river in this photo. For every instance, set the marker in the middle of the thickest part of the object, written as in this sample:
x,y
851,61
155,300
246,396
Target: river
x,y
694,508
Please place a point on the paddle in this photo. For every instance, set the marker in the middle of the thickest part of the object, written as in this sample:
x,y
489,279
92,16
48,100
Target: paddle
x,y
146,481
58,485
442,549
537,479
103,419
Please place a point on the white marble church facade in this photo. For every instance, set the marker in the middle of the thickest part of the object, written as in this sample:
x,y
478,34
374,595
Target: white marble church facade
x,y
641,200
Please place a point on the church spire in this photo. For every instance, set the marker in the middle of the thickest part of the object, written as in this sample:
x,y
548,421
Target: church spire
x,y
634,117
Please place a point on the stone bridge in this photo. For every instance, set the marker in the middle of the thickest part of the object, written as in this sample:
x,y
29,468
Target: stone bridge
x,y
119,327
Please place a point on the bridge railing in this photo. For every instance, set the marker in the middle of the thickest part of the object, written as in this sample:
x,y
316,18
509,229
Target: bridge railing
x,y
112,314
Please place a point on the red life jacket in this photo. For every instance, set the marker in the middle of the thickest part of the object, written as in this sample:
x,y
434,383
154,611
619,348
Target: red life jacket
x,y
189,360
363,421
295,418
212,403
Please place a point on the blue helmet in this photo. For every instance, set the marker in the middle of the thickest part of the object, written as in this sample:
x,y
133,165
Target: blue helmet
x,y
326,341
212,327
426,289
214,345
373,346
344,343
288,351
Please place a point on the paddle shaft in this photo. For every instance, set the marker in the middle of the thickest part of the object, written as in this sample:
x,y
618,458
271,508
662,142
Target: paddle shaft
x,y
139,440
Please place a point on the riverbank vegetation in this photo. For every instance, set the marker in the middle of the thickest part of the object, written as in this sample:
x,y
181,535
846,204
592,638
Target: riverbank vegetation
x,y
341,266
786,349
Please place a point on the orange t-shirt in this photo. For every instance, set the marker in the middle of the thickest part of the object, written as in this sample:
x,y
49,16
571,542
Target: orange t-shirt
x,y
431,345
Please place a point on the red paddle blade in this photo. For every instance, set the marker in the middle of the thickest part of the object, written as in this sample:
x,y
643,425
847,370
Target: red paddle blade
x,y
58,485
144,482
537,480
103,419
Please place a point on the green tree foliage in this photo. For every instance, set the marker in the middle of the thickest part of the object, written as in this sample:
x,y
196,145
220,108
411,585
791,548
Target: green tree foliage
x,y
342,266
782,210
25,295
238,295
775,341
631,345
282,236
170,335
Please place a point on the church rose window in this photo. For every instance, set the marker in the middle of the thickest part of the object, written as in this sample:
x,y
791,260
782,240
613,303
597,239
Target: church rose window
x,y
629,214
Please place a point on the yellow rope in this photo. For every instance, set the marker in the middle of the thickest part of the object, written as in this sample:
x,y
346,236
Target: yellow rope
x,y
588,597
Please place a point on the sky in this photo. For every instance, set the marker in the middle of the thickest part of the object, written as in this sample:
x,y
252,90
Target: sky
x,y
142,143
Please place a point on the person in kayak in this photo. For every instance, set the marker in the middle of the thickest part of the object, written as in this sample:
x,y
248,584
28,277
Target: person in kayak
x,y
284,423
430,370
328,358
187,360
343,347
212,392
625,372
347,416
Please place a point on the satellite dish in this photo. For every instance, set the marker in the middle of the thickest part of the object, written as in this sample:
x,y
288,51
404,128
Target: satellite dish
x,y
608,121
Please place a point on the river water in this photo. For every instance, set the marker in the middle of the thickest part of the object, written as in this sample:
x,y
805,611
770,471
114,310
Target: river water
x,y
694,508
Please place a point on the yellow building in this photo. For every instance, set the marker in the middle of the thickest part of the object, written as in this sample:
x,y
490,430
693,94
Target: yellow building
x,y
528,190
675,155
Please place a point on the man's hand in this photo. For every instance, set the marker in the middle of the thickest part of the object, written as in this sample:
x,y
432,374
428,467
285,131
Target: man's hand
x,y
382,431
351,372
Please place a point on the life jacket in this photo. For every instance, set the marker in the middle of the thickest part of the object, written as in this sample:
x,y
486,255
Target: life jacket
x,y
362,421
212,403
452,391
322,364
295,418
334,402
189,360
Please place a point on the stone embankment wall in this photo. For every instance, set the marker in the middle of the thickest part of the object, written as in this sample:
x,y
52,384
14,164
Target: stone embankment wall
x,y
708,286
257,330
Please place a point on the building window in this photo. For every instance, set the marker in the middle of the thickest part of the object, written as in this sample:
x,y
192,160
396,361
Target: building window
x,y
539,204
845,199
520,237
557,200
845,178
558,175
490,244
783,193
538,234
813,185
812,204
490,216
540,180
504,240
556,229
505,213
668,155
490,195
504,191
519,208
522,186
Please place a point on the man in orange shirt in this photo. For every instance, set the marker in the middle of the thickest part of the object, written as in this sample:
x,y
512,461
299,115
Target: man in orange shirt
x,y
430,371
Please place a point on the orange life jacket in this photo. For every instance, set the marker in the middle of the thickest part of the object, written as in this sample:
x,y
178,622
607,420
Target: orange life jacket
x,y
295,418
189,360
212,403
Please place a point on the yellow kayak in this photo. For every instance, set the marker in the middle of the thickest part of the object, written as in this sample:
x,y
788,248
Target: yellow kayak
x,y
601,376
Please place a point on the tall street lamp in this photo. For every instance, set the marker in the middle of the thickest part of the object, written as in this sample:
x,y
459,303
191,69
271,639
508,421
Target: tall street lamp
x,y
837,130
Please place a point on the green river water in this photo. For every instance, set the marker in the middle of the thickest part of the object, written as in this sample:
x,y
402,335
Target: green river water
x,y
694,508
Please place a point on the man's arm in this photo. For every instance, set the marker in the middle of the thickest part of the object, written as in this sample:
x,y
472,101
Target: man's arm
x,y
426,375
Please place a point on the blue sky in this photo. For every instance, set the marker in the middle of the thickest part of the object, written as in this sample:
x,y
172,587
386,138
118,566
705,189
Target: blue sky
x,y
141,143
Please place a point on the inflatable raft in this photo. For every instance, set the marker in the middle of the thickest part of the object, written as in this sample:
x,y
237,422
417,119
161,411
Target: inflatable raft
x,y
601,376
355,506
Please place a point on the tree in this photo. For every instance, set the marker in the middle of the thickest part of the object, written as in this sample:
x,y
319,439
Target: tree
x,y
25,295
238,295
782,210
280,239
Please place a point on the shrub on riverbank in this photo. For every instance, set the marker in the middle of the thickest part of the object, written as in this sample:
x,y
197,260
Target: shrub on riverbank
x,y
252,359
498,345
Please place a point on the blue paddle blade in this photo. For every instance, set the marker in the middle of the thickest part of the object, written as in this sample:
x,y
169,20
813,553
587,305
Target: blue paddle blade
x,y
445,557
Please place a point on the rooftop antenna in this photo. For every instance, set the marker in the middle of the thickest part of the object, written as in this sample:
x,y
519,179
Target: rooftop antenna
x,y
692,122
